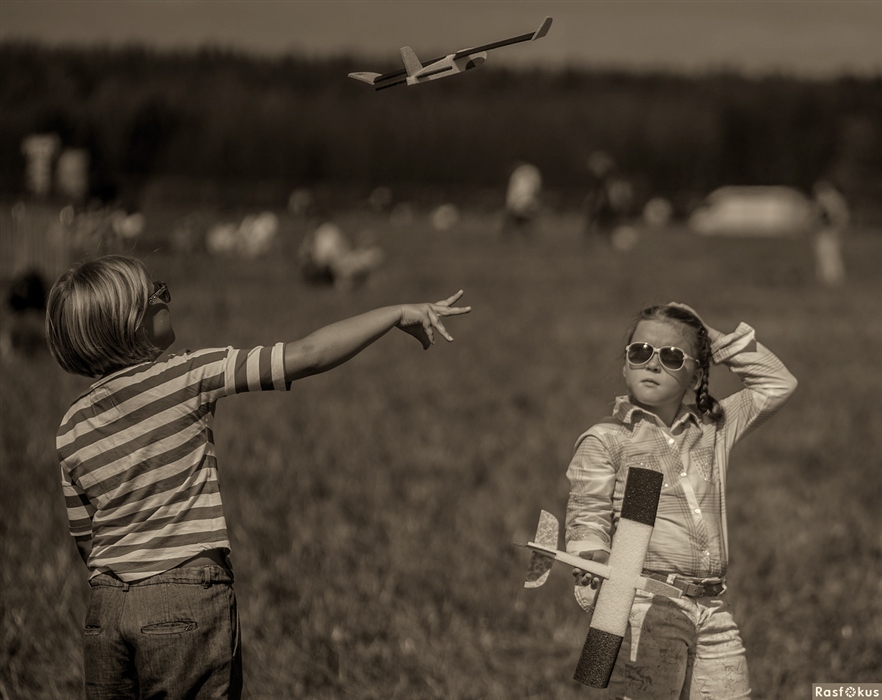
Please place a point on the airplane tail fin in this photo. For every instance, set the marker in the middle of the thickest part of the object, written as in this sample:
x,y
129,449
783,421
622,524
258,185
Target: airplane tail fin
x,y
540,564
411,63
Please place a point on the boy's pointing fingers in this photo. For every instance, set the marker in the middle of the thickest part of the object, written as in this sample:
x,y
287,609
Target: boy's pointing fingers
x,y
452,300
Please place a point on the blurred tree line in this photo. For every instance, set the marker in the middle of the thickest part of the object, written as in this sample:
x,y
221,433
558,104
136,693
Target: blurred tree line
x,y
216,124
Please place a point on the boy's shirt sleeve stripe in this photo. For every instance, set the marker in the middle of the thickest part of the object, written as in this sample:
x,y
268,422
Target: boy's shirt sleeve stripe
x,y
280,381
253,380
258,369
264,364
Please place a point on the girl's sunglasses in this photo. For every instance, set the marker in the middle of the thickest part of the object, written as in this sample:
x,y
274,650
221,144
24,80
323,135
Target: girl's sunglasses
x,y
671,358
160,291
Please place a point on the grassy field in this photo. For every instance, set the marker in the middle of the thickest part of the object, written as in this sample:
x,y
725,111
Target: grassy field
x,y
372,510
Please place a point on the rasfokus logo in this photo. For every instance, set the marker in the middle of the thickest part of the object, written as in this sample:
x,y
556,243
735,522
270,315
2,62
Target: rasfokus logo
x,y
847,690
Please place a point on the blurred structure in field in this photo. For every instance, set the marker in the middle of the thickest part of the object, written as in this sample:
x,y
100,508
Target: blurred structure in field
x,y
402,215
40,151
609,200
42,235
328,257
253,236
522,200
59,219
782,212
833,217
23,331
445,216
34,236
301,203
381,199
753,211
657,213
72,175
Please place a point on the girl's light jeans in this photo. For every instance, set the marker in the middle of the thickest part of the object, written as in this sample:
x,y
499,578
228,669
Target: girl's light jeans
x,y
174,635
678,649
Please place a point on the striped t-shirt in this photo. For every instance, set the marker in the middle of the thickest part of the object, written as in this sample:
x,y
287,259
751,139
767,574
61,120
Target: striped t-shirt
x,y
138,466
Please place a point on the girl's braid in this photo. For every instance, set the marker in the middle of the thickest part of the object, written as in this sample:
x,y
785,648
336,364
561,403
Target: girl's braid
x,y
707,404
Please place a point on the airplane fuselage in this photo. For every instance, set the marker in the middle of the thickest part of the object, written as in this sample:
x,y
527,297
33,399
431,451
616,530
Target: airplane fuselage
x,y
449,65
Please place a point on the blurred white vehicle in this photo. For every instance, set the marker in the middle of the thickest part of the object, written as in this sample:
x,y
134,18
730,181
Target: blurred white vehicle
x,y
754,211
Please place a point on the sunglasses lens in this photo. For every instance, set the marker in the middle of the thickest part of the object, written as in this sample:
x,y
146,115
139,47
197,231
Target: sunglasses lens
x,y
638,353
672,358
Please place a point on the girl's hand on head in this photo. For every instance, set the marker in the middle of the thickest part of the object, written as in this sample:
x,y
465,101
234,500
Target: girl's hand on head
x,y
712,332
422,320
586,578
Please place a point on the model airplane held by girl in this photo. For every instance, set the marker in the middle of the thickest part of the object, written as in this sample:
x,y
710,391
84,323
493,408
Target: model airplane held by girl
x,y
415,71
622,577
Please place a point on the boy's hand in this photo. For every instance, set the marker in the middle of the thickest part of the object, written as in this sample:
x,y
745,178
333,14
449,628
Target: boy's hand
x,y
422,320
585,578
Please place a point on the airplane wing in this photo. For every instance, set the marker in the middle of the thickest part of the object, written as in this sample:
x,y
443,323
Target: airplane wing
x,y
532,36
381,81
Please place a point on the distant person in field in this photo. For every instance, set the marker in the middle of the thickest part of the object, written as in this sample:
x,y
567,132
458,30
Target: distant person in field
x,y
522,200
609,201
688,647
140,477
327,256
833,220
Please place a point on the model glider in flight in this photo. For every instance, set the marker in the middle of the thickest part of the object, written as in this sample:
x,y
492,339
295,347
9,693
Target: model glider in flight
x,y
415,71
622,577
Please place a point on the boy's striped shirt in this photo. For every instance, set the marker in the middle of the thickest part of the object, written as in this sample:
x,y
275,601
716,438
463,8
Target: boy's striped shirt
x,y
138,465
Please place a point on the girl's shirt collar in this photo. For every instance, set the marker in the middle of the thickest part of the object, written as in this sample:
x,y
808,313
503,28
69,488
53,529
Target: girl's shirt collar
x,y
628,413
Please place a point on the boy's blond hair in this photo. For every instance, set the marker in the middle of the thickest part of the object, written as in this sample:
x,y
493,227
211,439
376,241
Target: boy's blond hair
x,y
94,315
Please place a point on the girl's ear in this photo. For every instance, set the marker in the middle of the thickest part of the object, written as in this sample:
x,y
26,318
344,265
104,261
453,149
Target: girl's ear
x,y
696,379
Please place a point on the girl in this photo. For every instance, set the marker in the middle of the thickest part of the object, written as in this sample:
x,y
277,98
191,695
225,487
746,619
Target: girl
x,y
687,647
140,477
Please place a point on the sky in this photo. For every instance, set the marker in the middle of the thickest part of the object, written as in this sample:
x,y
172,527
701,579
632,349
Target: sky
x,y
810,38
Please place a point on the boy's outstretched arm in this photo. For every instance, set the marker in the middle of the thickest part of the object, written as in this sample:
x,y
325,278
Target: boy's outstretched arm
x,y
338,342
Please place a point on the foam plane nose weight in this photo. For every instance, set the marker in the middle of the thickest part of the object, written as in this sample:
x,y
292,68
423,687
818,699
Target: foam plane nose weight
x,y
415,71
622,576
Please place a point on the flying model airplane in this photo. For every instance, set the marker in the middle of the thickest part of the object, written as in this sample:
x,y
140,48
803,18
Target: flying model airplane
x,y
415,71
622,576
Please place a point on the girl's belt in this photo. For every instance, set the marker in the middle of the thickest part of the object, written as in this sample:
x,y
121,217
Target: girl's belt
x,y
692,587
